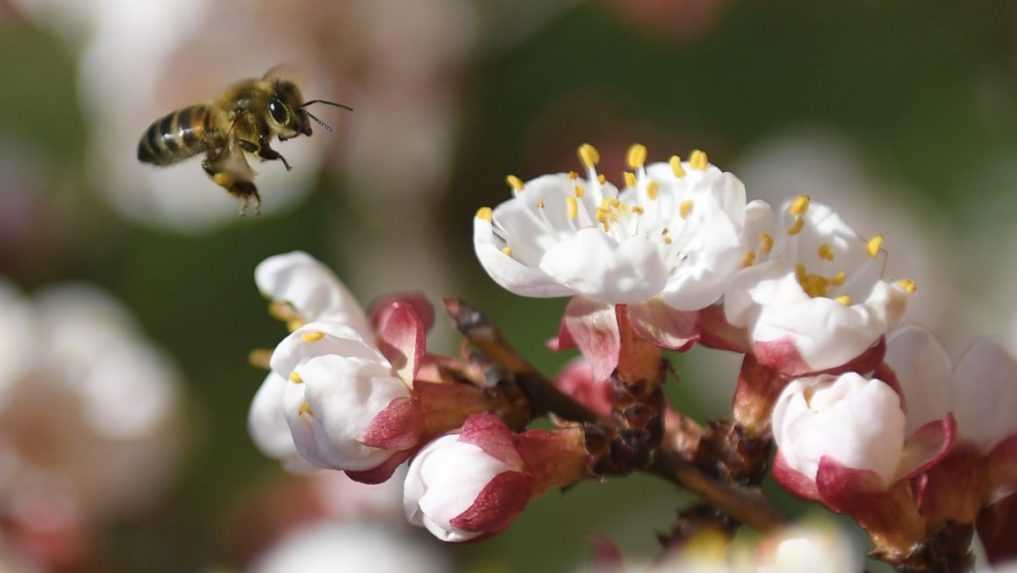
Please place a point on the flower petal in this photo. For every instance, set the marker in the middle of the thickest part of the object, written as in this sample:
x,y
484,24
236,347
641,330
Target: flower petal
x,y
320,339
510,273
985,395
419,302
663,325
577,380
594,264
266,421
923,369
927,446
311,288
593,328
402,338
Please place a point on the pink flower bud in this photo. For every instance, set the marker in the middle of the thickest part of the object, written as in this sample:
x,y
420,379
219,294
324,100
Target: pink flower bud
x,y
462,486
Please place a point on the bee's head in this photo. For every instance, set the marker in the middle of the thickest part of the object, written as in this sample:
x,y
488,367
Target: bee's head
x,y
287,114
284,111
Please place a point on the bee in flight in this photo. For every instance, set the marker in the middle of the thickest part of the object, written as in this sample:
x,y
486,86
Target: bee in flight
x,y
244,119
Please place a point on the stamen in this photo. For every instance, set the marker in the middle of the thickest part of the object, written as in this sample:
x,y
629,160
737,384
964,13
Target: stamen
x,y
636,156
514,182
540,204
685,208
874,245
652,188
602,179
825,252
507,250
589,155
305,408
699,160
312,336
766,243
294,324
485,213
844,299
908,285
749,259
638,210
800,205
295,378
281,310
572,206
579,191
797,226
838,279
676,166
260,358
573,175
630,179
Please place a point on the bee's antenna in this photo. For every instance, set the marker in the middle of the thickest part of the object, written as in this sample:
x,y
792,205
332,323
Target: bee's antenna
x,y
325,101
318,121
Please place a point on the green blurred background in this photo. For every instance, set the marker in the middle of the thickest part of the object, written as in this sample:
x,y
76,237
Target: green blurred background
x,y
922,93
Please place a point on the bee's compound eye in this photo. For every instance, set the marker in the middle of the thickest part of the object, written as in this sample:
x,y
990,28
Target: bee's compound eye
x,y
278,111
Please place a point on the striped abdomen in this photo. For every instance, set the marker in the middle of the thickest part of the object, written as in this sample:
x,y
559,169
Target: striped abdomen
x,y
175,137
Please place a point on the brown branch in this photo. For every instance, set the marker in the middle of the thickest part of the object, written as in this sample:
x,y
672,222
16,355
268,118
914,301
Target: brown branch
x,y
746,506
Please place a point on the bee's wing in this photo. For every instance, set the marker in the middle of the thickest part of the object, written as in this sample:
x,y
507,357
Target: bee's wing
x,y
234,162
285,71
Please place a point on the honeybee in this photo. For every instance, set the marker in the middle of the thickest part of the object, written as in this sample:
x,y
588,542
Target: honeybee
x,y
243,120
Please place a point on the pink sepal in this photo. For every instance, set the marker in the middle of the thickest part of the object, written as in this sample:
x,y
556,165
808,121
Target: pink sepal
x,y
381,473
402,337
397,427
927,446
793,480
716,332
501,500
664,326
551,458
577,380
418,301
997,530
489,433
848,490
593,328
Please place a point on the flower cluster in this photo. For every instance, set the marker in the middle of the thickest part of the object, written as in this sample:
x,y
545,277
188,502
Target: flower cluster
x,y
358,392
868,417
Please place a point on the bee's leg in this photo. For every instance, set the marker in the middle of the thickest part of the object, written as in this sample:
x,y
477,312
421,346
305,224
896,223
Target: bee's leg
x,y
266,152
240,187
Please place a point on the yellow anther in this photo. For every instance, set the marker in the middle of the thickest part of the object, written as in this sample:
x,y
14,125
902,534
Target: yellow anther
x,y
699,160
295,378
838,279
571,206
908,285
305,408
676,166
685,208
799,205
800,272
579,191
260,358
573,175
637,210
843,299
667,240
281,310
294,324
652,188
874,245
825,252
797,226
602,178
749,259
540,204
507,250
630,178
312,336
485,213
766,243
514,182
636,156
589,155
